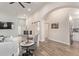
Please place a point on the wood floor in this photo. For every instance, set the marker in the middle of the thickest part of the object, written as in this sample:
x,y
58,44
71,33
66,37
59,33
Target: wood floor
x,y
51,48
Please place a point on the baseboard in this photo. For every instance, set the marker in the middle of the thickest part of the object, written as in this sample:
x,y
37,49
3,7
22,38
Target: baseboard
x,y
59,41
42,40
75,41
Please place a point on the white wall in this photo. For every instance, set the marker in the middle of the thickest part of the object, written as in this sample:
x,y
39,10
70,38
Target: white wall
x,y
32,23
61,17
14,31
44,11
35,18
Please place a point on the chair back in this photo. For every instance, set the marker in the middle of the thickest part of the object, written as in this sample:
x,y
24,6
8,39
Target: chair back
x,y
36,38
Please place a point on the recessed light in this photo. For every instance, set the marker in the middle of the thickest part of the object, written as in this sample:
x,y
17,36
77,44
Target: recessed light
x,y
29,9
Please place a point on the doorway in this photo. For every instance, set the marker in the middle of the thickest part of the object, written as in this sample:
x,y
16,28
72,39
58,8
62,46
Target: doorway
x,y
74,28
46,30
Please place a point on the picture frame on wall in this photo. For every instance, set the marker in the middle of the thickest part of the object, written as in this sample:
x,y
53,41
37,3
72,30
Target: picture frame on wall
x,y
54,25
6,25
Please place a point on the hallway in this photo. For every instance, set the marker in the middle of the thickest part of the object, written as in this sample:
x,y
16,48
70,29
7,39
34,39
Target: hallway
x,y
52,48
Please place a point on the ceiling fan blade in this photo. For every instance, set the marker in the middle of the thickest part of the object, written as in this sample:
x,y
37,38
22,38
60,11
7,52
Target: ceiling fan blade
x,y
11,2
21,4
28,2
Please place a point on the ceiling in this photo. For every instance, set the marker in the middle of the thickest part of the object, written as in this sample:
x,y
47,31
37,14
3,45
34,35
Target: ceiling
x,y
15,10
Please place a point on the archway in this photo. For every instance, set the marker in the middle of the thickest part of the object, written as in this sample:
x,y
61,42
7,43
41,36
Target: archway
x,y
59,8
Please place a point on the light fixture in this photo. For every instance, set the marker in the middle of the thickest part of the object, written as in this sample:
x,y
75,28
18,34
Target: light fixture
x,y
29,9
70,18
21,3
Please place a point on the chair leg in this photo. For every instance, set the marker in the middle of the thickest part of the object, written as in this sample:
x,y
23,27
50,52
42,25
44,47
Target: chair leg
x,y
28,52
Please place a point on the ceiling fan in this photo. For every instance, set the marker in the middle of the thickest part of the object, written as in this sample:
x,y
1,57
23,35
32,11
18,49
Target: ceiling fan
x,y
21,3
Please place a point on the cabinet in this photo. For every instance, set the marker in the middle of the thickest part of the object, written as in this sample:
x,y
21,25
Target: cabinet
x,y
75,36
